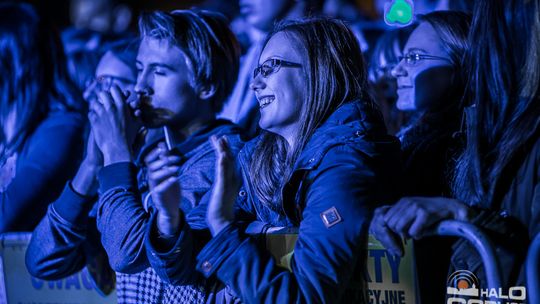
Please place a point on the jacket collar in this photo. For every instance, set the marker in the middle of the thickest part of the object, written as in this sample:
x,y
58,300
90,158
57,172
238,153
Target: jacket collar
x,y
217,127
353,121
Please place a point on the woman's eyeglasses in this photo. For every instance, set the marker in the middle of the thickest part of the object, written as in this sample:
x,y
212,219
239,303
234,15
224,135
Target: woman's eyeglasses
x,y
412,59
271,66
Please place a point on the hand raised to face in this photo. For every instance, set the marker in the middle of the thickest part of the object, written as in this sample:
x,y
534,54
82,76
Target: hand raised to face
x,y
113,125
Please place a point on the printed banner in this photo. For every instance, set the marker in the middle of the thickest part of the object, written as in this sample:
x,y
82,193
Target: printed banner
x,y
17,286
390,279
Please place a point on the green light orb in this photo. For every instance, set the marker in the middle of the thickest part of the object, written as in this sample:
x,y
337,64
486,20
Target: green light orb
x,y
399,12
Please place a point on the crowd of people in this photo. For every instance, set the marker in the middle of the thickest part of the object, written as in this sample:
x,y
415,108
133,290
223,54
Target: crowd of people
x,y
149,158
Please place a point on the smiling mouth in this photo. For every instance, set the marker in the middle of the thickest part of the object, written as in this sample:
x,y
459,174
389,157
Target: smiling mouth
x,y
265,101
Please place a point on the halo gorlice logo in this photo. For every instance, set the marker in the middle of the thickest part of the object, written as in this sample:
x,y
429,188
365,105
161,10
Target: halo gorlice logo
x,y
463,288
463,283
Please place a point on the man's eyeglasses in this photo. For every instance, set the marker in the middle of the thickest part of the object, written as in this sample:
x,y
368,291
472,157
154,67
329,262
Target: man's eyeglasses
x,y
105,82
412,59
271,66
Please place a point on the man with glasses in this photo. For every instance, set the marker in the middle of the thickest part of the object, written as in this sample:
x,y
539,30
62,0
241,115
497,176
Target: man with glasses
x,y
66,239
116,67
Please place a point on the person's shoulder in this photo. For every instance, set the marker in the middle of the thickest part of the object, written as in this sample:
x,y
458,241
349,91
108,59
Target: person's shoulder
x,y
234,133
355,126
59,126
59,119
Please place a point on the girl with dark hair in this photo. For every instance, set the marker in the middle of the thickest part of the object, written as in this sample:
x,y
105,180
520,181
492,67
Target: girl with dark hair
x,y
322,163
40,142
496,184
430,88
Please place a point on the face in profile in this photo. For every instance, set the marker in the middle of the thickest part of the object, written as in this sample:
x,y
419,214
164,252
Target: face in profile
x,y
165,84
110,71
424,75
280,85
263,13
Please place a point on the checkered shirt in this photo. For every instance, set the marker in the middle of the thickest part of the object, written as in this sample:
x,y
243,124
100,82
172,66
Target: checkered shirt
x,y
147,288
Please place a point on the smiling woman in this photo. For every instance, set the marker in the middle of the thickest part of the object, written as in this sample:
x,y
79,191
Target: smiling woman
x,y
318,167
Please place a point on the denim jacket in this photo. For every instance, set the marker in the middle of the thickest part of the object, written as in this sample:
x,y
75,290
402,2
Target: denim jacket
x,y
348,167
121,216
67,239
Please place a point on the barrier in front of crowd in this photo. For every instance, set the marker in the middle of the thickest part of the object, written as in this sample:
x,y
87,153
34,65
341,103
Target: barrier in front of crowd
x,y
533,270
480,242
393,279
389,279
17,286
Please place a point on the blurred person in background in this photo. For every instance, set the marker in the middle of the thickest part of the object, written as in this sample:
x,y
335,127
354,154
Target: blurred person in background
x,y
41,136
431,86
365,30
102,16
116,67
67,239
496,185
95,25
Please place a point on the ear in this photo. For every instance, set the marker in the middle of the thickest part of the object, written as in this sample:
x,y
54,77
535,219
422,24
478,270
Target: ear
x,y
208,91
122,18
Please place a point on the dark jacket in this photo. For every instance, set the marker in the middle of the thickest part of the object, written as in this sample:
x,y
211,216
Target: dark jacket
x,y
121,200
49,157
348,167
430,148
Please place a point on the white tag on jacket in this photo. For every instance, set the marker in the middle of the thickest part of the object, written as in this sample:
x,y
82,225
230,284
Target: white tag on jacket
x,y
330,217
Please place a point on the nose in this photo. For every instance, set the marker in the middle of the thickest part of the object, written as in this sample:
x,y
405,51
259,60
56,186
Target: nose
x,y
399,70
257,83
143,85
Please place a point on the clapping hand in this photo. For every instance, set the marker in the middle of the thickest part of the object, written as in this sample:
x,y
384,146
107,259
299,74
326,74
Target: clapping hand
x,y
220,211
85,181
